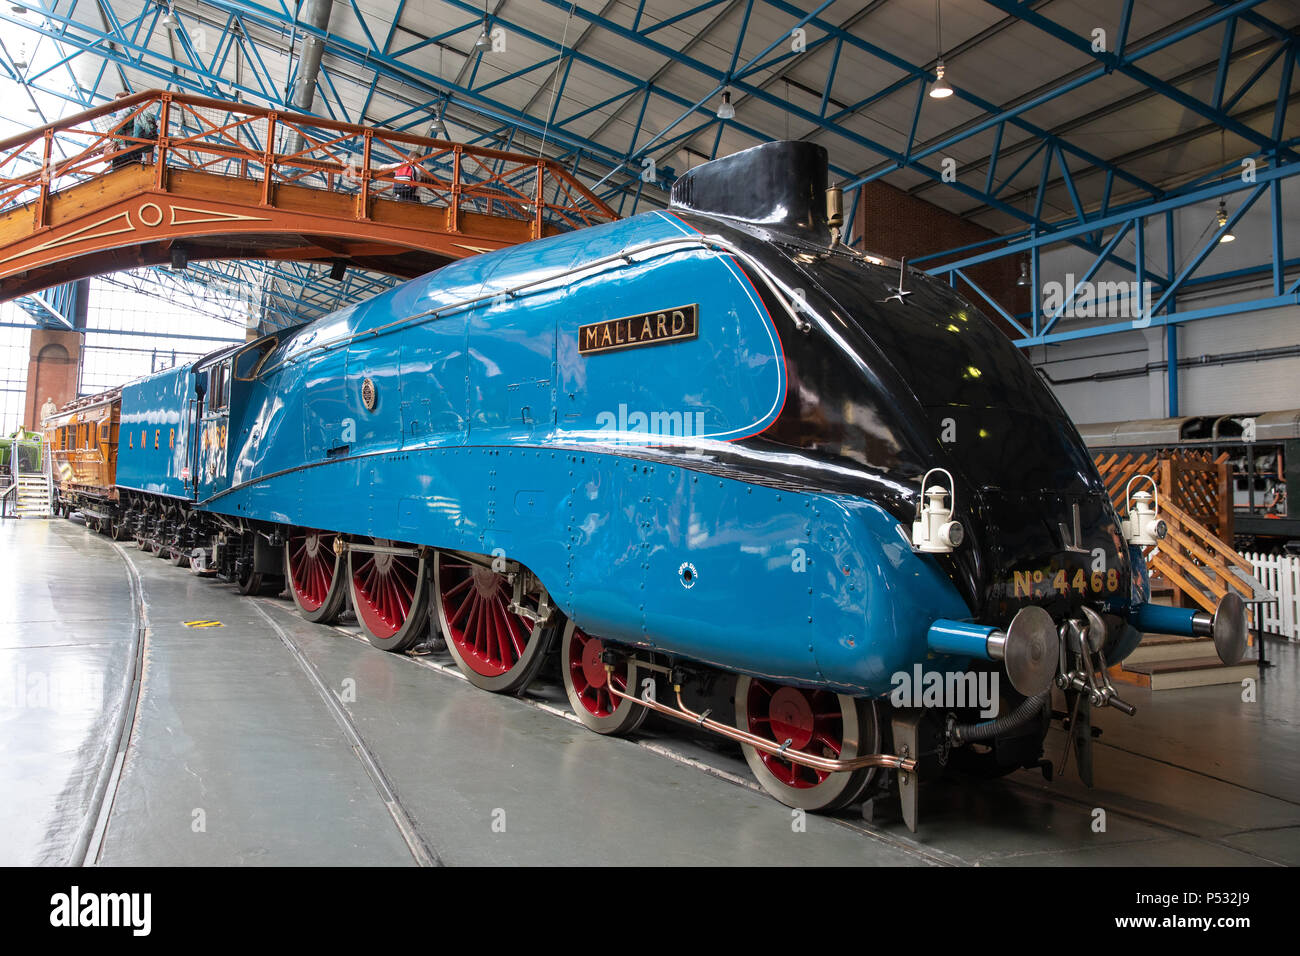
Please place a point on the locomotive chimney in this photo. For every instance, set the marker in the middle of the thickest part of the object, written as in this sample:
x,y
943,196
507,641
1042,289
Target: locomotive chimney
x,y
781,186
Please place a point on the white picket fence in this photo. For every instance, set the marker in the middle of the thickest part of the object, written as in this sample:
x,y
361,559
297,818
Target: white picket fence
x,y
1281,575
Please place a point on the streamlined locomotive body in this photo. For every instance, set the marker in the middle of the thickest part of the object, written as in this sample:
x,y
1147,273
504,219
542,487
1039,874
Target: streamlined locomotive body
x,y
709,449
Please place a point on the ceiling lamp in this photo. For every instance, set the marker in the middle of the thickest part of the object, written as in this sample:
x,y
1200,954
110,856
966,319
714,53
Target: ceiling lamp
x,y
941,89
18,9
1223,221
1024,273
726,111
170,20
484,42
20,61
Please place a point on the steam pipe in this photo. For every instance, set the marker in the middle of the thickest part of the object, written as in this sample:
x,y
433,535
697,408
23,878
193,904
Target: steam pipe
x,y
1226,358
684,713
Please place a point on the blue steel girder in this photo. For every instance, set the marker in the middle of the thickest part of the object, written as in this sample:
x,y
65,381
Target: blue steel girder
x,y
1146,48
127,43
1163,311
997,114
379,58
829,124
1124,63
51,308
131,51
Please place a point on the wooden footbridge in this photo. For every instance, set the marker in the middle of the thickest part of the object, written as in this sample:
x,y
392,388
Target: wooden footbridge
x,y
159,177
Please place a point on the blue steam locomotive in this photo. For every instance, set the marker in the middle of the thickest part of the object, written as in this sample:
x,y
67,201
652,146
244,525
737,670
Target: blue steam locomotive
x,y
704,455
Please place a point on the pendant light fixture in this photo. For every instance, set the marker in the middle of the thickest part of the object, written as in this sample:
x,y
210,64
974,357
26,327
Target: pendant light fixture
x,y
726,111
940,90
1223,221
1222,214
484,42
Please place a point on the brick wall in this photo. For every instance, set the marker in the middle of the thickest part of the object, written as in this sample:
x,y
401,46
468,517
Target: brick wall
x,y
53,371
896,225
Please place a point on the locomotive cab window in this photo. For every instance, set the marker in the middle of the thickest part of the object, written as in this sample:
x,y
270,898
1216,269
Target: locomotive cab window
x,y
219,385
253,359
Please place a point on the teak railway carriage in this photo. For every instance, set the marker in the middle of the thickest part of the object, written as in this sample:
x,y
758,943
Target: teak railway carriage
x,y
83,444
686,451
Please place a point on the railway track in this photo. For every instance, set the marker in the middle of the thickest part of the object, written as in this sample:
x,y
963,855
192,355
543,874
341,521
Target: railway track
x,y
90,836
421,851
90,839
716,762
732,769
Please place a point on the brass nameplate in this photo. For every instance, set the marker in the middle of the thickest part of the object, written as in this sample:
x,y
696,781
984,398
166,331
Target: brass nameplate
x,y
650,328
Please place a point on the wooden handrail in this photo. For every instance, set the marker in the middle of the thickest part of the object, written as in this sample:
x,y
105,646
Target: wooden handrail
x,y
581,205
1222,550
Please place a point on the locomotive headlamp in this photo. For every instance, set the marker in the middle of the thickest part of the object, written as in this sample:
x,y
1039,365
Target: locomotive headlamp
x,y
1143,525
934,531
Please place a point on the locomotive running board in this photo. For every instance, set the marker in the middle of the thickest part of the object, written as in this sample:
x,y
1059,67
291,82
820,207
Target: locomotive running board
x,y
685,714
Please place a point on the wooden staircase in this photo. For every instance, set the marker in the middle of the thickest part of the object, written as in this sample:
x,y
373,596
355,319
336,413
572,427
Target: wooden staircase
x,y
33,497
1197,564
28,482
1192,564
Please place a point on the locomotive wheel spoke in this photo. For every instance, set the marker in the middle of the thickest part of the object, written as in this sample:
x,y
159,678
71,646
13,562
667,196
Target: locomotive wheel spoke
x,y
816,722
390,596
313,567
495,648
587,684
